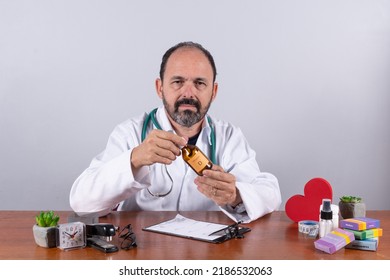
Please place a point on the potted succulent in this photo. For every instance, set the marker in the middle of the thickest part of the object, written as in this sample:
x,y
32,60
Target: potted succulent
x,y
45,229
352,207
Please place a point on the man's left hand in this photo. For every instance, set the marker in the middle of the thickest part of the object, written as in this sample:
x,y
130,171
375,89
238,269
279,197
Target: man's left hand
x,y
219,186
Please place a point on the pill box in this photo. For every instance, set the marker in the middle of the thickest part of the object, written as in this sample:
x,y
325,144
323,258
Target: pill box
x,y
370,244
334,241
368,233
360,223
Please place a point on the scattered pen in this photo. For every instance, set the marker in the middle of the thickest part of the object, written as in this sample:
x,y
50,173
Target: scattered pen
x,y
223,230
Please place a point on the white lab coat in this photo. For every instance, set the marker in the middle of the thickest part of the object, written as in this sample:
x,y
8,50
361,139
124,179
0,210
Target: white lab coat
x,y
109,181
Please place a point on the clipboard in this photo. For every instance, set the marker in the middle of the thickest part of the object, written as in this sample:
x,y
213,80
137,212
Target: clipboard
x,y
181,226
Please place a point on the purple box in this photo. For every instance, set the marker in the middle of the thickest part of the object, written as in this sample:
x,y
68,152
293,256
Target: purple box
x,y
360,223
334,241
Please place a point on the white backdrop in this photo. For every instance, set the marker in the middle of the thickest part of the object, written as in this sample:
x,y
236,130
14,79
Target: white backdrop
x,y
307,81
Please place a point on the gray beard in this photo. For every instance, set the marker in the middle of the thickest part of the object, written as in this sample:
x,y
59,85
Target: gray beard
x,y
186,118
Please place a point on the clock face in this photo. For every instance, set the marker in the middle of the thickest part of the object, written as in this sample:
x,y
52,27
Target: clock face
x,y
71,236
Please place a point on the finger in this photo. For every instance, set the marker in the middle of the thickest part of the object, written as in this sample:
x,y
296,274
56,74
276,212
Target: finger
x,y
219,191
156,154
172,137
217,168
219,175
166,153
212,188
167,140
157,143
223,195
149,153
204,190
214,169
219,195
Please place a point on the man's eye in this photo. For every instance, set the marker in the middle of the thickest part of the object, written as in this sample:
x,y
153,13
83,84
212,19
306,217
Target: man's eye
x,y
200,84
176,84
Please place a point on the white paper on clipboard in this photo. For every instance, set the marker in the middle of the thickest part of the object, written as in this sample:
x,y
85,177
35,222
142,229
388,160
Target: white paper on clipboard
x,y
189,228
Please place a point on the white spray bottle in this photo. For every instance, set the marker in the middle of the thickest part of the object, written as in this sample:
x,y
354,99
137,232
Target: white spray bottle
x,y
326,216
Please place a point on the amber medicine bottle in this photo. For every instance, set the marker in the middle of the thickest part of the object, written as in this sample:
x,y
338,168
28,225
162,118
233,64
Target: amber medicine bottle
x,y
196,159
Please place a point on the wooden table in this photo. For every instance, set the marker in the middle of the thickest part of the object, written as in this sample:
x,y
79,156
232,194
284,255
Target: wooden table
x,y
273,237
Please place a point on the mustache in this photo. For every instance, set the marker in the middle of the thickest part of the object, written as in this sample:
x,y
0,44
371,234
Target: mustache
x,y
187,101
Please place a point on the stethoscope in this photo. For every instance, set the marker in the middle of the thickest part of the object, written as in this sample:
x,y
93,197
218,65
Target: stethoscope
x,y
151,117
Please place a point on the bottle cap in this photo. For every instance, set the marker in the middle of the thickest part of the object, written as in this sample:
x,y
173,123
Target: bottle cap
x,y
326,212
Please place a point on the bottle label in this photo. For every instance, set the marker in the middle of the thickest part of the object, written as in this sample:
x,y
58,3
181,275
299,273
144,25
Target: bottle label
x,y
198,162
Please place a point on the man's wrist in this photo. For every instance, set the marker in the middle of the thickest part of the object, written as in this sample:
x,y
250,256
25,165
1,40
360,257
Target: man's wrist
x,y
237,200
133,162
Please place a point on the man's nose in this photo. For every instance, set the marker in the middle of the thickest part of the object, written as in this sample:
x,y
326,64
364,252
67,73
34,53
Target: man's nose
x,y
188,90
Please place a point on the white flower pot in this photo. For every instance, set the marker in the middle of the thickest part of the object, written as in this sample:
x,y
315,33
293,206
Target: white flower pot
x,y
45,236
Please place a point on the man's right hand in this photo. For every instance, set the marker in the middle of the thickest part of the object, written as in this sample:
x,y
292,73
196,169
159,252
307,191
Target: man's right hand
x,y
159,147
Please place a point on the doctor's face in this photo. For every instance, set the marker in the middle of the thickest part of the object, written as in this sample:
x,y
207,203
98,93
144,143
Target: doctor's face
x,y
188,87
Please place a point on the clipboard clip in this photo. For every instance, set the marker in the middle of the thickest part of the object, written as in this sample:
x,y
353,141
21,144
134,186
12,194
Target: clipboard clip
x,y
232,231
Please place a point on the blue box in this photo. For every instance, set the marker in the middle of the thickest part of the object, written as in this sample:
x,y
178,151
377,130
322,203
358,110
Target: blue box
x,y
370,244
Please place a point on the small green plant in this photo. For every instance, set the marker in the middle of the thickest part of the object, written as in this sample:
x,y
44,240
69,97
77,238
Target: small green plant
x,y
350,199
47,219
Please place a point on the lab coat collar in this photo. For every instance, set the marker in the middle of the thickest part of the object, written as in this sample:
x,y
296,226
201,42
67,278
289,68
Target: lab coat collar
x,y
163,119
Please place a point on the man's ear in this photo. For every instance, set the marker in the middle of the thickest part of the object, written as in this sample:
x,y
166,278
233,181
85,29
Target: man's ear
x,y
215,91
158,85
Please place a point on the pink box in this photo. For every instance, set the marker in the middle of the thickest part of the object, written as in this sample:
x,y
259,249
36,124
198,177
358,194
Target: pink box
x,y
334,240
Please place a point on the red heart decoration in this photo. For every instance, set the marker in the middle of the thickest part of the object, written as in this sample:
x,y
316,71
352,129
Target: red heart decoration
x,y
307,207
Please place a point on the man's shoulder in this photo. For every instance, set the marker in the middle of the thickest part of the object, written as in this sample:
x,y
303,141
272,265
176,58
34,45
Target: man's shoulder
x,y
223,124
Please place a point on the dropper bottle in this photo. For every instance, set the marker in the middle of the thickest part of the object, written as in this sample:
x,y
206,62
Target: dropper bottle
x,y
326,224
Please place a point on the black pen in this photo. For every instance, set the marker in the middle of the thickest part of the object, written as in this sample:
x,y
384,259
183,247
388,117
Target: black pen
x,y
225,228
